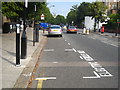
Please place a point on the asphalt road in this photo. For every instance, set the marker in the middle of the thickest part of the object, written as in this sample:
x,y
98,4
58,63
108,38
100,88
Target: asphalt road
x,y
78,61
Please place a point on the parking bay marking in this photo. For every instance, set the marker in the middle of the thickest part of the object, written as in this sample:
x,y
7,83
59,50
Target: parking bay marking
x,y
97,76
95,65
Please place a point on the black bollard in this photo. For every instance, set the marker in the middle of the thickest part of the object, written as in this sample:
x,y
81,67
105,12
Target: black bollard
x,y
34,36
23,45
37,32
24,39
18,45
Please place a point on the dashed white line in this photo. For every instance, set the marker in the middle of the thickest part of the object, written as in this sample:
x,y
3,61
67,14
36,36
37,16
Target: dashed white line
x,y
54,62
68,50
48,50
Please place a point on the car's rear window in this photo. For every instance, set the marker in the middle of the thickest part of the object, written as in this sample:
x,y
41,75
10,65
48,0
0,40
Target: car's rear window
x,y
72,27
56,27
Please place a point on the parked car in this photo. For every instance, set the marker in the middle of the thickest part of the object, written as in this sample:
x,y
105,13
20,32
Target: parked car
x,y
55,30
72,29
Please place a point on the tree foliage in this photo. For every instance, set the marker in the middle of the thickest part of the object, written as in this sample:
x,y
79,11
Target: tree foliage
x,y
15,10
78,13
60,20
72,15
98,12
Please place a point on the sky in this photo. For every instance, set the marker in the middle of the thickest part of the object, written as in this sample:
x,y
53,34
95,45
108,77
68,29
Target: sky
x,y
62,7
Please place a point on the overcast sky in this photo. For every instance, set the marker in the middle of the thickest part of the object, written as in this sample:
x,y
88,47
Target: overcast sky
x,y
62,7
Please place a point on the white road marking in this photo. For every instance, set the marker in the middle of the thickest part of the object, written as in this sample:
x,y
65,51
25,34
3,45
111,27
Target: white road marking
x,y
48,50
80,51
110,44
93,77
81,57
87,57
54,62
42,78
95,65
74,50
103,72
67,50
68,43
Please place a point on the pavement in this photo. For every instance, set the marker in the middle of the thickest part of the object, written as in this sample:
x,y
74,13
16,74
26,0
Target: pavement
x,y
103,34
18,77
10,73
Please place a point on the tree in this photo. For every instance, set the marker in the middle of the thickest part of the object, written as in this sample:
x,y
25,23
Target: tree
x,y
83,10
12,10
112,23
77,13
98,12
72,15
15,10
60,19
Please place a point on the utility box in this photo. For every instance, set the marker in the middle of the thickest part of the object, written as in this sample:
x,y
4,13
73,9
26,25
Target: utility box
x,y
89,23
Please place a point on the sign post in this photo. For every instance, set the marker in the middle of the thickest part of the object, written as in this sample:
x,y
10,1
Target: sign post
x,y
118,21
43,18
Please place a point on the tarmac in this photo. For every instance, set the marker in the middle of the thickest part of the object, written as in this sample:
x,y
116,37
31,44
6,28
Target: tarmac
x,y
12,76
9,72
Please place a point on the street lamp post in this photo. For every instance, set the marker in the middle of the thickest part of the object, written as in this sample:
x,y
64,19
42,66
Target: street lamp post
x,y
24,37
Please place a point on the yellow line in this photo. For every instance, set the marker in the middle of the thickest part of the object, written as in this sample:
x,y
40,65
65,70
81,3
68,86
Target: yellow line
x,y
40,83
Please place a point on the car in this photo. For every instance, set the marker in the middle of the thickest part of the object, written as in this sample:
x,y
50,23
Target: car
x,y
72,29
55,30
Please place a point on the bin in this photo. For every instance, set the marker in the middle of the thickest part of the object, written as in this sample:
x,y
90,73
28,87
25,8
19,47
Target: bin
x,y
6,27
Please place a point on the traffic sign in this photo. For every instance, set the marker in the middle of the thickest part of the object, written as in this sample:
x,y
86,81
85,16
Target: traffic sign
x,y
42,17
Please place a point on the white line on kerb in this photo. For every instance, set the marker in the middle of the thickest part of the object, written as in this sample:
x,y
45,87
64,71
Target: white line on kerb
x,y
74,50
97,76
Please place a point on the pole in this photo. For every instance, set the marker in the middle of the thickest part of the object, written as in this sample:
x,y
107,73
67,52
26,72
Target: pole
x,y
24,39
34,31
117,21
18,45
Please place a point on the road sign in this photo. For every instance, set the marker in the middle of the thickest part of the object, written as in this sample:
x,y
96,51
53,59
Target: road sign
x,y
42,17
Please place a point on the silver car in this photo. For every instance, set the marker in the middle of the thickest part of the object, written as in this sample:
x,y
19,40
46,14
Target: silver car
x,y
55,30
